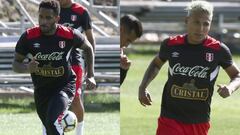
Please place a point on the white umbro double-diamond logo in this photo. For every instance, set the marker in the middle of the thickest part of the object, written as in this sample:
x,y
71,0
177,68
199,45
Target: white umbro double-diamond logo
x,y
175,54
36,45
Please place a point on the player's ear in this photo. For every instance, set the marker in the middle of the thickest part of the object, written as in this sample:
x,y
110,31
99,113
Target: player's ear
x,y
57,18
186,19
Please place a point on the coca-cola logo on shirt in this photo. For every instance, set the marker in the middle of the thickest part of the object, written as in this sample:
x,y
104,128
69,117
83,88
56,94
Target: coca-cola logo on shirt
x,y
196,71
55,56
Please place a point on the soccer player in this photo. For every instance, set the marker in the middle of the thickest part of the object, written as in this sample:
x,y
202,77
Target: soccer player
x,y
50,45
194,61
130,30
76,16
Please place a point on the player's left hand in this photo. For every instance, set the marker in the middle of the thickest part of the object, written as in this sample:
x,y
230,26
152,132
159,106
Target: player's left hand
x,y
91,83
224,91
144,97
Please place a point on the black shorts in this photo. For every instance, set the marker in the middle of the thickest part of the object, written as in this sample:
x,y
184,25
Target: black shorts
x,y
50,107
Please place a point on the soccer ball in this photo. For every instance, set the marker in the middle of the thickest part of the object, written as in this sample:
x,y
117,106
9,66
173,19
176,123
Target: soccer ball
x,y
69,121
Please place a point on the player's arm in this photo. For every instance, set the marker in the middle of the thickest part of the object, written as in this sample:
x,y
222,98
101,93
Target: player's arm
x,y
234,74
152,71
20,67
123,74
88,50
125,64
231,69
90,36
21,52
87,26
150,74
84,44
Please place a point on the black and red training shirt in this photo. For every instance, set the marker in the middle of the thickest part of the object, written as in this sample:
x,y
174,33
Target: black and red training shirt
x,y
192,72
52,53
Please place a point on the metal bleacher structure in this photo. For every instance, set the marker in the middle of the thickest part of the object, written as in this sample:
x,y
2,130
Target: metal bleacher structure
x,y
107,54
167,16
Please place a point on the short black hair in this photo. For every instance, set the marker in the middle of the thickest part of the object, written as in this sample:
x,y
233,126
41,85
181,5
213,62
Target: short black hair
x,y
132,23
51,4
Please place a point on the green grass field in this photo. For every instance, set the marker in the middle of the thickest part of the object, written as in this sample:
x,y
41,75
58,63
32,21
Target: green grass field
x,y
139,120
18,116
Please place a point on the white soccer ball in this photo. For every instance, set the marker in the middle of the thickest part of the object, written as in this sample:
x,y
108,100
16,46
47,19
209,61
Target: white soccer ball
x,y
69,121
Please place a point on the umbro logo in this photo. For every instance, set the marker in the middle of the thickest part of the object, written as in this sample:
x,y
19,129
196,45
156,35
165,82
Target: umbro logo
x,y
175,54
36,45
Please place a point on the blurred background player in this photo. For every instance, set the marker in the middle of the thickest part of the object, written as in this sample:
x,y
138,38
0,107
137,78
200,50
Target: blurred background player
x,y
194,60
54,82
76,16
130,30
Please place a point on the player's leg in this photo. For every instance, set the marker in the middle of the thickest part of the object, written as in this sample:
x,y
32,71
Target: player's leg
x,y
78,109
197,129
168,126
77,105
44,130
58,104
41,103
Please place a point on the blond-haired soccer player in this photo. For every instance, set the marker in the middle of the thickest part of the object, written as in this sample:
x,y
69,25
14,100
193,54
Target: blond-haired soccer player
x,y
194,61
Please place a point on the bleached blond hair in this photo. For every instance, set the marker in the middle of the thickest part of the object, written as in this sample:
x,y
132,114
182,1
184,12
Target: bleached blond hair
x,y
200,6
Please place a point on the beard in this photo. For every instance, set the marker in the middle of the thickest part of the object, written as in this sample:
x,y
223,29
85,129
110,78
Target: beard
x,y
48,29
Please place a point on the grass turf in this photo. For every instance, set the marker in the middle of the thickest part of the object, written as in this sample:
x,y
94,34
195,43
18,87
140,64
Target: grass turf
x,y
19,117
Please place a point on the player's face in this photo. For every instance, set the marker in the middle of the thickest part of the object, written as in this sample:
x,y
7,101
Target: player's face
x,y
47,21
198,26
126,37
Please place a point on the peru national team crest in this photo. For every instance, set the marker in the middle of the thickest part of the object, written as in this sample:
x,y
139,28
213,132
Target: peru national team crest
x,y
209,57
62,44
73,18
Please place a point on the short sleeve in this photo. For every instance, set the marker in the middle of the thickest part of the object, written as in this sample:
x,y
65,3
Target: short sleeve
x,y
86,21
226,57
163,53
78,38
22,45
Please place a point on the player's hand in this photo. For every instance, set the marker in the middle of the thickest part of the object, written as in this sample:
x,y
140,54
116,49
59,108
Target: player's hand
x,y
224,91
125,63
32,66
91,83
144,97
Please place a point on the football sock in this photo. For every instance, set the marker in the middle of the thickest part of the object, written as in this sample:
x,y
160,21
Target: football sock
x,y
79,129
44,130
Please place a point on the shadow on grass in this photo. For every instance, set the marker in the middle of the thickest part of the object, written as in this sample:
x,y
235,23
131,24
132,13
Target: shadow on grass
x,y
92,103
17,108
102,103
89,107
